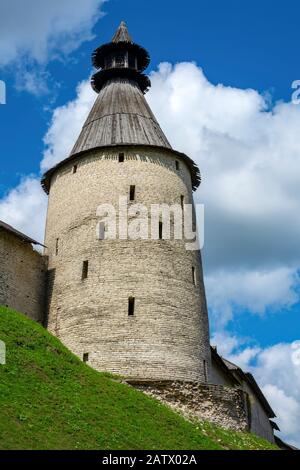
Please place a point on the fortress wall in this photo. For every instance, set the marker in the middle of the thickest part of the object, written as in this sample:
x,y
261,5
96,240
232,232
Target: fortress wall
x,y
22,276
221,405
168,335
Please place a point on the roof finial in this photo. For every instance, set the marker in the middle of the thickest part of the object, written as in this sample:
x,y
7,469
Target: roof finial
x,y
120,58
122,34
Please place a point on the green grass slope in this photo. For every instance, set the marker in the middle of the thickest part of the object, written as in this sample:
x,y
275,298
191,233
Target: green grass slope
x,y
49,399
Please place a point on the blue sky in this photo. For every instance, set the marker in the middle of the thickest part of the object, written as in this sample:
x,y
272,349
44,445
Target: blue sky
x,y
242,46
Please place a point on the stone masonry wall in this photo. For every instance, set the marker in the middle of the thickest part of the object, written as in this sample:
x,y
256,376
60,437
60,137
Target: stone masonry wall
x,y
22,276
168,335
224,406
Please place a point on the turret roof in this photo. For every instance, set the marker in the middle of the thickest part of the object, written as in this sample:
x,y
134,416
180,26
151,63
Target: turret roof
x,y
121,115
122,34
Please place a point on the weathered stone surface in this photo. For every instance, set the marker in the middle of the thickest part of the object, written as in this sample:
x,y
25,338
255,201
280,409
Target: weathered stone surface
x,y
224,406
168,335
22,276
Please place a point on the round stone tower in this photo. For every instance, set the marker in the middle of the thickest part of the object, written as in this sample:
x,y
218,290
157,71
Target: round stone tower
x,y
135,307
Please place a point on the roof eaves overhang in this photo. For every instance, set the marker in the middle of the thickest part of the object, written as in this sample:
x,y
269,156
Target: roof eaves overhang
x,y
264,402
219,360
195,172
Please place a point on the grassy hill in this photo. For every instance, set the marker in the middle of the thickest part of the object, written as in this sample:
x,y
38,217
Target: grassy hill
x,y
51,400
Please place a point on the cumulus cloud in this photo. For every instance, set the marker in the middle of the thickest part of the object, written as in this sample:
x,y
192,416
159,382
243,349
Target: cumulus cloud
x,y
24,207
43,30
249,155
35,32
256,291
288,411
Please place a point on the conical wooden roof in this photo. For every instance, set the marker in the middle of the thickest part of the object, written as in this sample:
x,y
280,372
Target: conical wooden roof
x,y
120,115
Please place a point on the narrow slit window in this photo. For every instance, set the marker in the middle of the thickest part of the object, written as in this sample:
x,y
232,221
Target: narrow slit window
x,y
85,357
194,276
131,302
177,165
75,169
57,246
160,230
205,370
182,201
85,270
121,157
102,231
132,193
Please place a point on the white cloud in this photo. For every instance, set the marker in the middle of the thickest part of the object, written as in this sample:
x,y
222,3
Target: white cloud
x,y
288,412
43,30
249,157
35,32
256,291
24,207
34,81
226,343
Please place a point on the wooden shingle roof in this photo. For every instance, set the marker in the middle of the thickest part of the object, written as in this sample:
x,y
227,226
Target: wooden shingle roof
x,y
120,115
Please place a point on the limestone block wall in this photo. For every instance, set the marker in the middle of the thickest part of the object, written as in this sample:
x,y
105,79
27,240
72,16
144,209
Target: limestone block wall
x,y
224,406
22,276
167,337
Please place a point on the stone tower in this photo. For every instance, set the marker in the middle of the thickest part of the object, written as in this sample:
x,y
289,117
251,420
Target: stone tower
x,y
132,307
